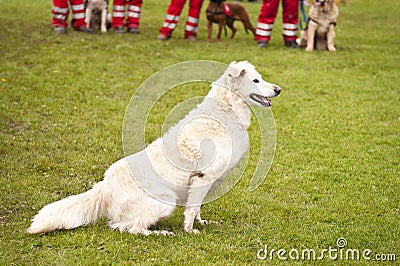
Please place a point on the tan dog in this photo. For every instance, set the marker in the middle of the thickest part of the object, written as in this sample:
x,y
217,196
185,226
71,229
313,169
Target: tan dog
x,y
226,14
96,15
320,31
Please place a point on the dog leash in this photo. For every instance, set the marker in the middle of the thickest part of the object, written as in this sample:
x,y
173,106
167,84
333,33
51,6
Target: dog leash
x,y
303,14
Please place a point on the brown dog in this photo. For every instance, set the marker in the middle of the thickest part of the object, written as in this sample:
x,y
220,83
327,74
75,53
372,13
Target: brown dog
x,y
226,14
320,30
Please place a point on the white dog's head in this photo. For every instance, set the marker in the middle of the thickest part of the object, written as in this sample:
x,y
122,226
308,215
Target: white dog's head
x,y
243,78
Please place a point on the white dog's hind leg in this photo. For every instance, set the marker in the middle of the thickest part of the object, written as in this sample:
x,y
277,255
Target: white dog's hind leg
x,y
134,228
136,217
148,232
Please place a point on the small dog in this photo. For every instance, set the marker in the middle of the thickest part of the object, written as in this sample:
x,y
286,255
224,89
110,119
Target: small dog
x,y
97,17
320,30
176,169
225,14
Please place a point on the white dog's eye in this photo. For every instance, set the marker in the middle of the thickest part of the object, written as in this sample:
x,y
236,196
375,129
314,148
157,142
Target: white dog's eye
x,y
256,81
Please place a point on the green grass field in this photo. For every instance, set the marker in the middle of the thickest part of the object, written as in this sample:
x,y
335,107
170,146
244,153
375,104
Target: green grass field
x,y
336,168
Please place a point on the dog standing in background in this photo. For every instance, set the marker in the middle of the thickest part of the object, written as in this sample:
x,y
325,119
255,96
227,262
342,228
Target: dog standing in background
x,y
97,17
320,31
225,14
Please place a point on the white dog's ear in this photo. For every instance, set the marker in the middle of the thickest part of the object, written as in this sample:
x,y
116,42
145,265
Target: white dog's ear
x,y
233,78
237,69
235,72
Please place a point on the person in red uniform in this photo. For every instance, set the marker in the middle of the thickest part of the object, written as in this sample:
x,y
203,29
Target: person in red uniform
x,y
133,19
172,18
60,13
267,17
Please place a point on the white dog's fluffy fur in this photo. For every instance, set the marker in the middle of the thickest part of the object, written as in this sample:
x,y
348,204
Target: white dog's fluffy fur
x,y
133,197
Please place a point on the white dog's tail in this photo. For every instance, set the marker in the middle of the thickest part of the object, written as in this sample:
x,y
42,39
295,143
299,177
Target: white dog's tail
x,y
70,212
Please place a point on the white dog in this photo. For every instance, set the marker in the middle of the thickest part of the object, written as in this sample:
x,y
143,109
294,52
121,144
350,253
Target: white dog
x,y
177,169
96,15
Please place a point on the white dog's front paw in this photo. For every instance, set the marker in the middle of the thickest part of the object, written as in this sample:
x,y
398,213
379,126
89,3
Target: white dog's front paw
x,y
309,49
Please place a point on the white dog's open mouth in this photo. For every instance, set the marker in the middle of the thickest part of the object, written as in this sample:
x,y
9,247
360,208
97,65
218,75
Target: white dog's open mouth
x,y
264,101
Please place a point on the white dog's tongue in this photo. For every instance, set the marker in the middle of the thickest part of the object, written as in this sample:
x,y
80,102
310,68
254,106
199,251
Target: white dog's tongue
x,y
261,100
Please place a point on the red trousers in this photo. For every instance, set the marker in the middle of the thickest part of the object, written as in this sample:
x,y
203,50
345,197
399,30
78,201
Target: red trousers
x,y
134,10
173,13
267,17
60,13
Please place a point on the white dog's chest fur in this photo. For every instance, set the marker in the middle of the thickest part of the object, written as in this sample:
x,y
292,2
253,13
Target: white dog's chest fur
x,y
209,140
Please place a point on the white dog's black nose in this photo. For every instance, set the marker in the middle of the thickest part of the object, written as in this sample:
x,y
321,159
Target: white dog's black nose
x,y
277,90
